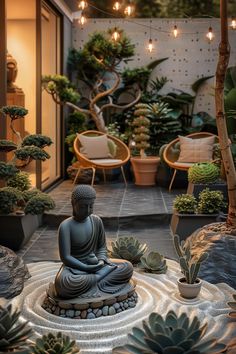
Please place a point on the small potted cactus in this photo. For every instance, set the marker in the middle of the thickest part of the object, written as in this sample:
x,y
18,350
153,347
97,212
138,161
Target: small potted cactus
x,y
191,213
190,285
144,167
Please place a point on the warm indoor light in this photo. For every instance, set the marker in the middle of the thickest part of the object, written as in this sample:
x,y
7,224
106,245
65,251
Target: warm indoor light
x,y
150,46
210,34
233,23
82,5
82,20
129,10
175,31
115,35
116,6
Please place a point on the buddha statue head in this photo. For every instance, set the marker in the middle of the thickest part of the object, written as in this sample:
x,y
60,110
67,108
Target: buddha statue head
x,y
82,200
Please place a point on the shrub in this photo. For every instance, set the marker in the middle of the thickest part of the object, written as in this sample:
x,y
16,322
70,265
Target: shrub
x,y
210,202
185,204
204,172
9,198
39,203
20,181
7,170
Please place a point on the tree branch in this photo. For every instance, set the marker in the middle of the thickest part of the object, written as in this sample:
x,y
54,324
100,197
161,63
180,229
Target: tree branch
x,y
107,92
111,104
77,108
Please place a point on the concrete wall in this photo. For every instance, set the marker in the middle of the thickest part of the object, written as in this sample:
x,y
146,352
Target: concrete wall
x,y
190,55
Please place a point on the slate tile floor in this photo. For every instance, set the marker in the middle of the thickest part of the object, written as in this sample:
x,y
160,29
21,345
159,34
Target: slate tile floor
x,y
143,212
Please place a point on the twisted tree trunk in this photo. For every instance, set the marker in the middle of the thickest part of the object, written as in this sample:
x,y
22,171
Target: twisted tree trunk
x,y
224,54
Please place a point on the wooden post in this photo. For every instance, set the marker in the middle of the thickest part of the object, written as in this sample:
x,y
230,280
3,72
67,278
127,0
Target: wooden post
x,y
224,54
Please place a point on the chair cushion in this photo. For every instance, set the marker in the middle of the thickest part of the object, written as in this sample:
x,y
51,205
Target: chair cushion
x,y
106,161
94,147
196,150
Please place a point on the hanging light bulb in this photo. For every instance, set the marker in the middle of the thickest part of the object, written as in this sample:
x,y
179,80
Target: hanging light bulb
x,y
82,4
210,34
175,31
150,46
233,23
129,10
115,35
82,19
116,6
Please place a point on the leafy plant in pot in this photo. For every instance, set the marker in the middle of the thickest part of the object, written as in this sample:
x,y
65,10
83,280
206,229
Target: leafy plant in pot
x,y
21,206
190,285
144,166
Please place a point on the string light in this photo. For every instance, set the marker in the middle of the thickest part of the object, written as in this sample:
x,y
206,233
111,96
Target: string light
x,y
210,34
150,46
82,19
129,9
83,4
116,6
115,35
233,23
175,31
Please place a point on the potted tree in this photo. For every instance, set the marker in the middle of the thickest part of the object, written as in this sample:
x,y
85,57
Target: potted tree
x,y
21,207
191,213
144,167
190,285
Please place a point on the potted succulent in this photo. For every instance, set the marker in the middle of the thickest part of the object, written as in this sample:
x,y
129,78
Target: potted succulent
x,y
190,285
191,213
144,167
21,207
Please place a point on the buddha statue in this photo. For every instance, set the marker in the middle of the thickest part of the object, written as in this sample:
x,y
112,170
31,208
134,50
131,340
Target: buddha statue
x,y
86,271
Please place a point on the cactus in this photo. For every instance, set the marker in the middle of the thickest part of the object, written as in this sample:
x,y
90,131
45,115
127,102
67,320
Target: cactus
x,y
190,265
185,204
13,335
54,344
210,202
170,335
154,262
203,173
128,248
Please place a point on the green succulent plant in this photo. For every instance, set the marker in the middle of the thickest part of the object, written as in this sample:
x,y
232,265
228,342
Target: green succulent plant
x,y
9,198
203,173
13,334
37,140
39,204
7,170
190,265
154,262
55,344
128,248
7,145
21,181
170,335
232,304
210,202
185,204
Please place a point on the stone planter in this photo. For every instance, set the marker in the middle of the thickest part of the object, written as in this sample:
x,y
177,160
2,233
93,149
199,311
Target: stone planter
x,y
145,170
189,291
185,224
16,230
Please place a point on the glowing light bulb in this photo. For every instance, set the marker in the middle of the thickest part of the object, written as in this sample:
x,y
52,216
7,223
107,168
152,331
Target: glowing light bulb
x,y
150,46
82,20
115,35
129,10
175,31
210,34
83,5
233,24
116,6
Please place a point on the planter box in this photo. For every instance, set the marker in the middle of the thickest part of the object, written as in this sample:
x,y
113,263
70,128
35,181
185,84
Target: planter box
x,y
185,224
16,230
195,189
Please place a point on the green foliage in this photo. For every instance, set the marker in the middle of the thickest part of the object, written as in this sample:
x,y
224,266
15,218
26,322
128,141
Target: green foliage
x,y
114,130
14,112
76,122
136,76
190,265
203,172
7,170
232,304
13,334
28,194
141,131
39,203
9,198
7,145
37,140
55,344
60,86
185,204
31,152
154,262
170,335
20,181
210,202
128,248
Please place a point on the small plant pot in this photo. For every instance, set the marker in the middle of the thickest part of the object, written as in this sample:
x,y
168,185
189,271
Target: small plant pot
x,y
189,291
145,170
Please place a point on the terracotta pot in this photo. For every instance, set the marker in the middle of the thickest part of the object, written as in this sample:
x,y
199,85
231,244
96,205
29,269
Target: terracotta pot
x,y
189,291
145,170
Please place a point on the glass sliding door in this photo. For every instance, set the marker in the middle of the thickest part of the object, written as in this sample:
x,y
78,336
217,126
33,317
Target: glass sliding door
x,y
51,50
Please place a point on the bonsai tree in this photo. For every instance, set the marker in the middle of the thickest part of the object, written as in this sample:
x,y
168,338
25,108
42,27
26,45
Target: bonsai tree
x,y
96,71
16,195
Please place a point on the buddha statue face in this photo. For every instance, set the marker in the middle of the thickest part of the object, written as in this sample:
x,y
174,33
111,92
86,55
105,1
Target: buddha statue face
x,y
83,197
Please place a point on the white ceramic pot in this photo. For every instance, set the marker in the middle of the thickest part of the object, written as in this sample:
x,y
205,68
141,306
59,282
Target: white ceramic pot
x,y
189,291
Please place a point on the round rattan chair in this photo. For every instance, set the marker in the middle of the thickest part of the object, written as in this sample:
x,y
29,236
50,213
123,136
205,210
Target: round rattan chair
x,y
121,157
171,158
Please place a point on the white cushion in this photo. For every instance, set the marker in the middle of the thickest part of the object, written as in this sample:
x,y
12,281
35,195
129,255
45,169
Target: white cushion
x,y
94,147
106,161
196,150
